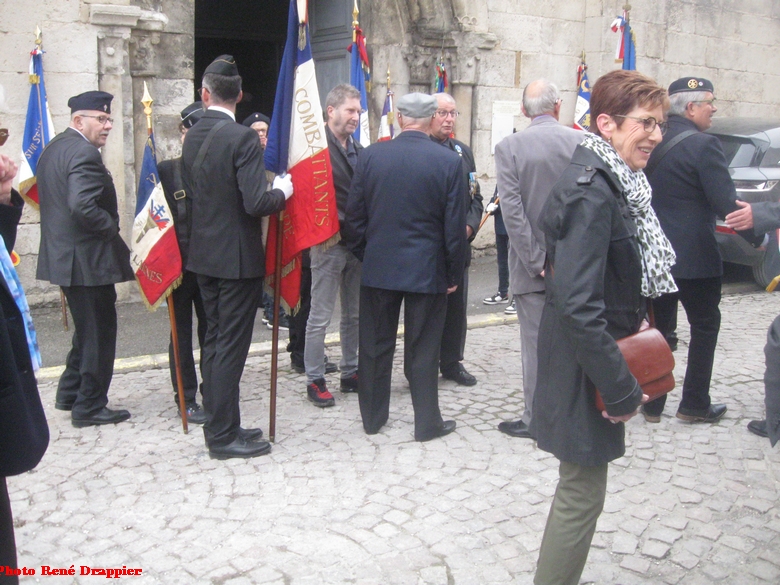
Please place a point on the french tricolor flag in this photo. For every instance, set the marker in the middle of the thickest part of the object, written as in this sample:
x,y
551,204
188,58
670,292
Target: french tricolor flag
x,y
386,127
297,144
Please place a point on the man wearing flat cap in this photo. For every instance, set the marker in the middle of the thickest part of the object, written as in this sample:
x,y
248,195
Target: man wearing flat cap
x,y
691,187
187,295
224,176
406,221
82,252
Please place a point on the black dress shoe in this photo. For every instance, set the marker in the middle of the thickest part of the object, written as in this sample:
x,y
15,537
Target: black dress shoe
x,y
515,429
446,428
104,416
758,427
240,449
460,376
330,367
298,368
195,414
250,435
711,414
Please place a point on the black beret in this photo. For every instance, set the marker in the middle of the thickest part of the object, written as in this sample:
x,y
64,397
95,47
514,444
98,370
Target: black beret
x,y
191,114
256,117
91,100
223,65
691,84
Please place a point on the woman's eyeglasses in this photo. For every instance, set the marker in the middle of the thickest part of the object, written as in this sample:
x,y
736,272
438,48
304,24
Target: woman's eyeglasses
x,y
648,124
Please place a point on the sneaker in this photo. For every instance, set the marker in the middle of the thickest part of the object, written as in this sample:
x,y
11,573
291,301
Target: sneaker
x,y
511,309
284,323
319,395
350,383
496,299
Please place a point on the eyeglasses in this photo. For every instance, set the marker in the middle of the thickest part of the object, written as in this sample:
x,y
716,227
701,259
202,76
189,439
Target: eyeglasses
x,y
102,120
710,102
444,113
3,135
649,124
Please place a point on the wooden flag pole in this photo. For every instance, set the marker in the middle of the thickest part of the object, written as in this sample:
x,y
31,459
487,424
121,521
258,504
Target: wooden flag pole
x,y
147,101
275,330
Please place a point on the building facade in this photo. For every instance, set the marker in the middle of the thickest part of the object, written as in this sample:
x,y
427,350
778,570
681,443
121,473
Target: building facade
x,y
491,49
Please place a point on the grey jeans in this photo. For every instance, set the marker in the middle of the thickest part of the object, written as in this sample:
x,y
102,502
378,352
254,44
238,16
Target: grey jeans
x,y
333,271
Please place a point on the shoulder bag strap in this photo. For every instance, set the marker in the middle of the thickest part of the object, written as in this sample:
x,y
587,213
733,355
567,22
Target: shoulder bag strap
x,y
666,148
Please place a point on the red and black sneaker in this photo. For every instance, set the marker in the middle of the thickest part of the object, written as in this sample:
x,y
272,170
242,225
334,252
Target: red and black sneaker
x,y
350,383
319,395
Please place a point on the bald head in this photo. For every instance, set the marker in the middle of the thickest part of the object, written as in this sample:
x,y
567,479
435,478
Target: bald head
x,y
541,97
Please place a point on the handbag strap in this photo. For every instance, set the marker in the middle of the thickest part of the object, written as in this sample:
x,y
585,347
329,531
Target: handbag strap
x,y
650,314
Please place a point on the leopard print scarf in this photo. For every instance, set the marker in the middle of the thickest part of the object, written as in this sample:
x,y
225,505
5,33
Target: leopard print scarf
x,y
658,257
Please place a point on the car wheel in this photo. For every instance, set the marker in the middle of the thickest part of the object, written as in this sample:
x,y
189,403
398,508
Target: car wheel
x,y
769,265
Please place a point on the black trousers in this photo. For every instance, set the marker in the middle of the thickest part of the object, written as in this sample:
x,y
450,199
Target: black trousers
x,y
453,339
7,540
231,307
700,297
298,321
89,366
186,297
423,323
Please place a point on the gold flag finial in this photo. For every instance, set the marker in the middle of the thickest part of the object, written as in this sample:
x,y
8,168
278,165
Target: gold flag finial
x,y
38,36
147,101
355,22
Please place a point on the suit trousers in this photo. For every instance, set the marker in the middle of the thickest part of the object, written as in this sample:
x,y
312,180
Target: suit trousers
x,y
185,297
334,272
231,308
502,259
297,321
700,298
423,323
7,539
89,366
453,340
529,315
577,505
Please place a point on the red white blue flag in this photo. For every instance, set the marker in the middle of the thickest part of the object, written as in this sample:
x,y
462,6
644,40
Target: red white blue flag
x,y
386,127
359,73
440,82
582,106
626,47
297,144
154,255
38,128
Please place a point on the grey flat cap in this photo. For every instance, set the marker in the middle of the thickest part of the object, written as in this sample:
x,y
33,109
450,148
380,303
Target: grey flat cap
x,y
417,105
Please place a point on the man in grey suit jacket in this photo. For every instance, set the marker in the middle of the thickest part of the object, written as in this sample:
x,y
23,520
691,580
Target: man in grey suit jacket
x,y
81,251
527,166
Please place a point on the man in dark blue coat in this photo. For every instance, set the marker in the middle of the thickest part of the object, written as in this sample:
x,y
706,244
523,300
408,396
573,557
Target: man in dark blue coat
x,y
24,433
691,187
406,221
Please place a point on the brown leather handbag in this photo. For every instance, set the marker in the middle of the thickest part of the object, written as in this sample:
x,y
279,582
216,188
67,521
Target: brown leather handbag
x,y
649,359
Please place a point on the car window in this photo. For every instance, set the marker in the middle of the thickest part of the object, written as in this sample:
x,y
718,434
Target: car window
x,y
738,153
771,158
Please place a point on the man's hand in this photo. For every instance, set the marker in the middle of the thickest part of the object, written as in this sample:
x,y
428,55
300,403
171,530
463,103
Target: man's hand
x,y
284,184
452,289
741,219
8,170
626,417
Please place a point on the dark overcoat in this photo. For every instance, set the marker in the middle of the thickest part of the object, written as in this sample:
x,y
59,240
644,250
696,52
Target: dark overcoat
x,y
80,241
24,433
593,284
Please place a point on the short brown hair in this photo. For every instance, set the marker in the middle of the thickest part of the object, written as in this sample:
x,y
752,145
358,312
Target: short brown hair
x,y
618,92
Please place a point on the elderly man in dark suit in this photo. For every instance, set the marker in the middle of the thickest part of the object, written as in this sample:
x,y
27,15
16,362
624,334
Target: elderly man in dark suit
x,y
453,341
81,251
691,187
528,164
24,433
224,174
406,221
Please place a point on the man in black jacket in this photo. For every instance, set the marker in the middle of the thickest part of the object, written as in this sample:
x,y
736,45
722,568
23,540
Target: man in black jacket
x,y
334,269
453,341
691,186
24,433
81,251
187,295
223,173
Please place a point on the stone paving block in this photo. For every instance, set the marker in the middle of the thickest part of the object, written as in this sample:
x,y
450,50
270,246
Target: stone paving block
x,y
636,564
655,549
623,543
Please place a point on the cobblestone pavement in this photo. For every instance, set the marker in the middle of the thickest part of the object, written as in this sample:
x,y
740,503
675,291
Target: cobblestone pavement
x,y
692,504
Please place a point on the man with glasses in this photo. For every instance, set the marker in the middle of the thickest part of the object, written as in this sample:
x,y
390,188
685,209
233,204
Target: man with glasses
x,y
528,164
453,341
691,186
81,251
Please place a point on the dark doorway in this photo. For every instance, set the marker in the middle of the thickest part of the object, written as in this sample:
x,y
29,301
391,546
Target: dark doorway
x,y
254,32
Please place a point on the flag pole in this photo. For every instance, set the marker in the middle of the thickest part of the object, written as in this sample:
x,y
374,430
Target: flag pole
x,y
484,219
147,101
275,329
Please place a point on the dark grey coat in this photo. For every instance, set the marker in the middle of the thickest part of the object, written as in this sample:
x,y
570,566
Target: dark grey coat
x,y
593,297
80,241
